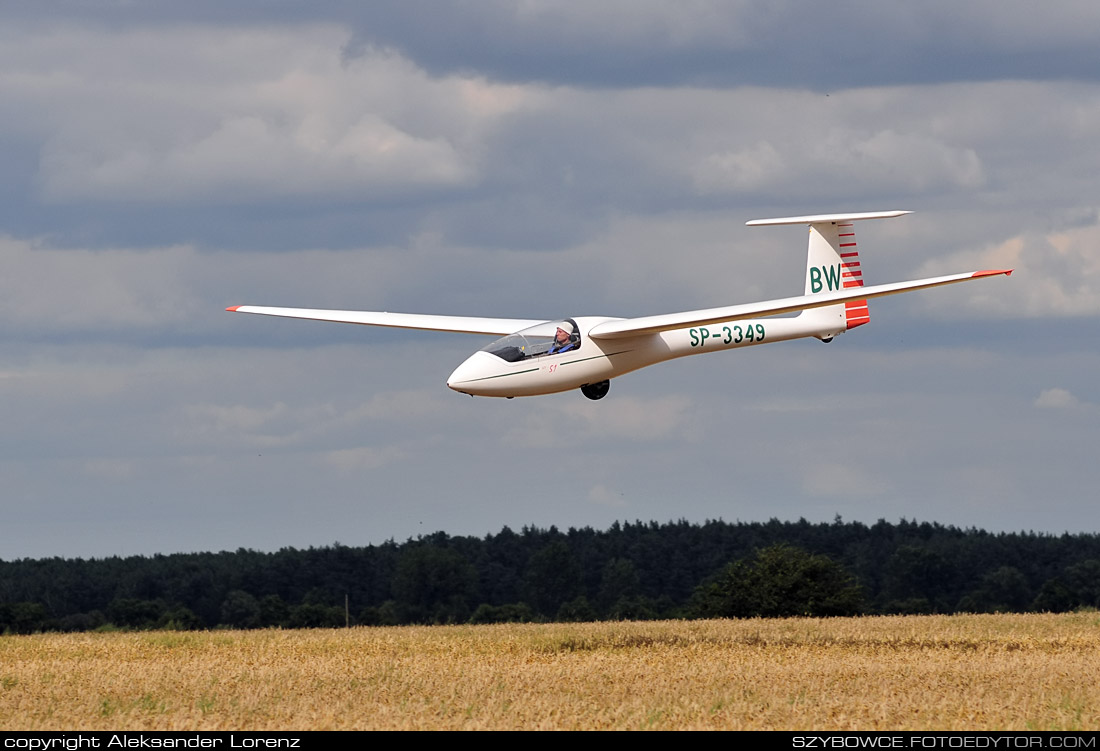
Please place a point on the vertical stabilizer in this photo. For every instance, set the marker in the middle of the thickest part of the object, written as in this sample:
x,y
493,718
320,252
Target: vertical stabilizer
x,y
832,263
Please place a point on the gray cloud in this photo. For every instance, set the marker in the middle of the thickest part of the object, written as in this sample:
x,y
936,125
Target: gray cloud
x,y
702,42
268,139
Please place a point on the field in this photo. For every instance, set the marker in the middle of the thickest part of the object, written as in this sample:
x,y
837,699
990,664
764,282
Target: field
x,y
978,672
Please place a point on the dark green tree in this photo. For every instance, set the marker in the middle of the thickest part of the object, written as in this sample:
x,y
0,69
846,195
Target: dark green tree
x,y
273,611
619,582
434,585
179,618
240,610
1002,590
130,612
577,610
781,581
1084,581
553,578
632,609
513,613
1054,597
22,618
316,616
914,576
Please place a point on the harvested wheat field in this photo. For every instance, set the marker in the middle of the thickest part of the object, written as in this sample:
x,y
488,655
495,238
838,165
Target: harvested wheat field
x,y
975,672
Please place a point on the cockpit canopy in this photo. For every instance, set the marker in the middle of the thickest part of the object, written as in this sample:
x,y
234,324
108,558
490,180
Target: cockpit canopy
x,y
541,339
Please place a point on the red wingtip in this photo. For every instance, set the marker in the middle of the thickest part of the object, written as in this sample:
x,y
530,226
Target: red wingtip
x,y
233,309
992,272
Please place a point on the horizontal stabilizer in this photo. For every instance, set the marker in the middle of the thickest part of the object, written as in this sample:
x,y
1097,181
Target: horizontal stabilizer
x,y
826,218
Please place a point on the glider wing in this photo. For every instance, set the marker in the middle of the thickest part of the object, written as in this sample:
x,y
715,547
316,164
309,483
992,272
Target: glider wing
x,y
667,322
457,324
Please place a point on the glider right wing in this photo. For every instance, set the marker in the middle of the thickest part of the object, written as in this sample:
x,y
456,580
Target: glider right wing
x,y
669,321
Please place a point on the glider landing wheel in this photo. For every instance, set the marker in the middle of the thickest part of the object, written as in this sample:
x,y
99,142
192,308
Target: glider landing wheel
x,y
596,390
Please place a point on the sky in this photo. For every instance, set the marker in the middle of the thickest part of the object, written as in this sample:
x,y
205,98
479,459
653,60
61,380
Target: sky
x,y
160,161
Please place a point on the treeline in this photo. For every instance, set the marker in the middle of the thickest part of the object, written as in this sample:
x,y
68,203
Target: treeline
x,y
630,571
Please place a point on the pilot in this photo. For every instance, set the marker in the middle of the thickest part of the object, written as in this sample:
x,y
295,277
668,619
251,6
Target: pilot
x,y
563,339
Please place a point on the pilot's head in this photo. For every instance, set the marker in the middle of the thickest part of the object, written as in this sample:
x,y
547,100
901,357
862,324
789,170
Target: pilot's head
x,y
565,330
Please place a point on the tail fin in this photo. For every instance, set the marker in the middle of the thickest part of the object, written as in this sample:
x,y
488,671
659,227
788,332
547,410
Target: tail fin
x,y
832,263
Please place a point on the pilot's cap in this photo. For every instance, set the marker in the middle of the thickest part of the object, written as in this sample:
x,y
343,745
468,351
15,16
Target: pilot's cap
x,y
566,326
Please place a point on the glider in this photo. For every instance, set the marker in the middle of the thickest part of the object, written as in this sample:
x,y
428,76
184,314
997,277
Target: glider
x,y
535,357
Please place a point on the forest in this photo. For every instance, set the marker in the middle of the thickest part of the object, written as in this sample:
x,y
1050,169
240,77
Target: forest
x,y
630,571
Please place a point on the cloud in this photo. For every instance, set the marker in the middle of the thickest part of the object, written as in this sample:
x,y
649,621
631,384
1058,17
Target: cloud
x,y
250,155
1057,398
204,114
1056,274
887,158
623,42
853,42
267,136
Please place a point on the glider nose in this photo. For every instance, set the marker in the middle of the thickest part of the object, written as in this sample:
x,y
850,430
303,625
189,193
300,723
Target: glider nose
x,y
473,370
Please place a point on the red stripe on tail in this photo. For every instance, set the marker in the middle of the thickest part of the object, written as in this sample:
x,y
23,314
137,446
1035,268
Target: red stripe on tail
x,y
856,313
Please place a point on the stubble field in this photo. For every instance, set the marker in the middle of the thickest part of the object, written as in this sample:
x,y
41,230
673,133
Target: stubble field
x,y
979,672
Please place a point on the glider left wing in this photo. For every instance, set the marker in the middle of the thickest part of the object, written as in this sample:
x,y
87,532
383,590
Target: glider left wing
x,y
653,324
456,324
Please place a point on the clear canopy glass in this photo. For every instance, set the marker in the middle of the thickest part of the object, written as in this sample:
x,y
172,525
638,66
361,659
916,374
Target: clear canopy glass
x,y
536,341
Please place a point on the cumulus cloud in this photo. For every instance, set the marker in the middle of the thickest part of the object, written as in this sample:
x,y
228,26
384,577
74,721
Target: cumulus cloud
x,y
1057,398
887,158
204,114
249,154
1056,274
281,122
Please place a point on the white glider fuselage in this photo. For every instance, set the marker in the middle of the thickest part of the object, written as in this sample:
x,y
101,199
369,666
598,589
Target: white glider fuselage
x,y
535,357
485,374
